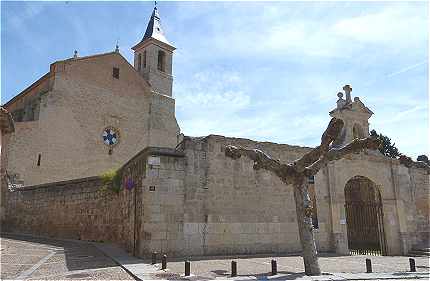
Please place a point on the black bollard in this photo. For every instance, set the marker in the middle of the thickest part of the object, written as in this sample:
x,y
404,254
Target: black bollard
x,y
164,262
154,258
368,266
412,265
187,268
274,267
233,269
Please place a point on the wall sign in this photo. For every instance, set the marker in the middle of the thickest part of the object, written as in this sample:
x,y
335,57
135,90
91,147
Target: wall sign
x,y
154,161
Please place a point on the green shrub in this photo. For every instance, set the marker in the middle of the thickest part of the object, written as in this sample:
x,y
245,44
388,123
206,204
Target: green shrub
x,y
111,180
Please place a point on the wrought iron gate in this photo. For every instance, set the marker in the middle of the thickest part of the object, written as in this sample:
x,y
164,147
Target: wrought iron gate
x,y
364,216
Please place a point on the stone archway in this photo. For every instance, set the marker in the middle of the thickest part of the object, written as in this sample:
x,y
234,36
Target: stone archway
x,y
364,217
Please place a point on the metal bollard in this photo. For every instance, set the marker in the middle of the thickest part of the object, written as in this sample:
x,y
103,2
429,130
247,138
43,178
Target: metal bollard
x,y
412,265
164,262
154,258
187,268
368,266
274,267
233,268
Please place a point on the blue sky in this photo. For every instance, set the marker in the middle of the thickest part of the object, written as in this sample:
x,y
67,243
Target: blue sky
x,y
266,71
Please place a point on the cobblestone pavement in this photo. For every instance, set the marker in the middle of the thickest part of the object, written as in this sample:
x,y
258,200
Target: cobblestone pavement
x,y
292,266
24,257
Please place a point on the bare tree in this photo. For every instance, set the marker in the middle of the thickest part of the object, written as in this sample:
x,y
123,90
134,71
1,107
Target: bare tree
x,y
297,174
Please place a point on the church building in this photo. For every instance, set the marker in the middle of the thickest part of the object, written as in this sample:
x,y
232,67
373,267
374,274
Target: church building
x,y
91,114
180,195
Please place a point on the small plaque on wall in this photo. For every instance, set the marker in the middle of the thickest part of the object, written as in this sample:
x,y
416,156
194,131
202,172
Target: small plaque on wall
x,y
154,161
342,221
152,188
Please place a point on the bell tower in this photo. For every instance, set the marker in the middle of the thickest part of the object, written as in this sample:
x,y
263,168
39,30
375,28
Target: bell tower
x,y
153,57
354,114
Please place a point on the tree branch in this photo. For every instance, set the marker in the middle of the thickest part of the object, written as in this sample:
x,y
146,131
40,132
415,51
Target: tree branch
x,y
330,134
286,172
355,146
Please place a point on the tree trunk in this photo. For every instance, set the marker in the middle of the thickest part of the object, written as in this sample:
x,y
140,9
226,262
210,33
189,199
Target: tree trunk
x,y
304,222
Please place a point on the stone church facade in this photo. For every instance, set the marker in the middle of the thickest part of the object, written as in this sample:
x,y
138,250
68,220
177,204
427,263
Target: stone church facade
x,y
180,195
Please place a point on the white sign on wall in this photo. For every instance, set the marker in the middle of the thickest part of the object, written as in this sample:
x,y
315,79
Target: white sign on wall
x,y
154,161
342,221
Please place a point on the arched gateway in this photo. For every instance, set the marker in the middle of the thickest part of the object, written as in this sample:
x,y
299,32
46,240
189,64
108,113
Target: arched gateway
x,y
364,217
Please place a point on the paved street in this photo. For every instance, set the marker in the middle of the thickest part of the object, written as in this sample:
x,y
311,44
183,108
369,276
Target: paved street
x,y
23,257
291,267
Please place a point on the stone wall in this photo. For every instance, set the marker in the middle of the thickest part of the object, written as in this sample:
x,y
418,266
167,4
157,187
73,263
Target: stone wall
x,y
207,204
195,201
417,207
76,209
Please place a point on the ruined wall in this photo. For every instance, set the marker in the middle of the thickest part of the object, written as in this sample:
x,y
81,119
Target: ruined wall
x,y
76,209
196,201
208,204
416,197
231,208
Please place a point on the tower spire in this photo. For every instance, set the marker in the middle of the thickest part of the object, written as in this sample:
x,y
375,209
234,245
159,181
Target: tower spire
x,y
153,56
154,30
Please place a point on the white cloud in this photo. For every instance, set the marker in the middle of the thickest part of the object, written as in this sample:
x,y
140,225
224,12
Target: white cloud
x,y
401,25
393,26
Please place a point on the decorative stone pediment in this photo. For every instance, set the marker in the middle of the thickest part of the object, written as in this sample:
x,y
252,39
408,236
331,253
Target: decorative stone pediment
x,y
354,114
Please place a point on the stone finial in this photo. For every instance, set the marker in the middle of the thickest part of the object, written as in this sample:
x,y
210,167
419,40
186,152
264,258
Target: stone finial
x,y
340,102
75,54
348,90
356,99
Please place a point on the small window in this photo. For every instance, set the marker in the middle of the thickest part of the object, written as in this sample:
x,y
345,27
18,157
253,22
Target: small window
x,y
38,159
144,59
161,60
311,180
115,72
139,62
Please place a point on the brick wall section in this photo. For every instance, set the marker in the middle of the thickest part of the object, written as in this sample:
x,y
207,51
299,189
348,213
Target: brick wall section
x,y
76,209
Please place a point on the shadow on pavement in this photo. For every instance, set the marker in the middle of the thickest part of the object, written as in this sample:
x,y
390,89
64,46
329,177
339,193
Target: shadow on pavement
x,y
77,255
238,257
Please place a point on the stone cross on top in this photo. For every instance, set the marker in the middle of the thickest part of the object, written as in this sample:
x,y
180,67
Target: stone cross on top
x,y
348,90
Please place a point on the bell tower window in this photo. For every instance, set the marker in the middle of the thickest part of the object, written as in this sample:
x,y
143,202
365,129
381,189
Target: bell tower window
x,y
139,62
144,59
161,60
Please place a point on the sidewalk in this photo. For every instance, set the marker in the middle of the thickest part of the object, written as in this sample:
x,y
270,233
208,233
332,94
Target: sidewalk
x,y
257,268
